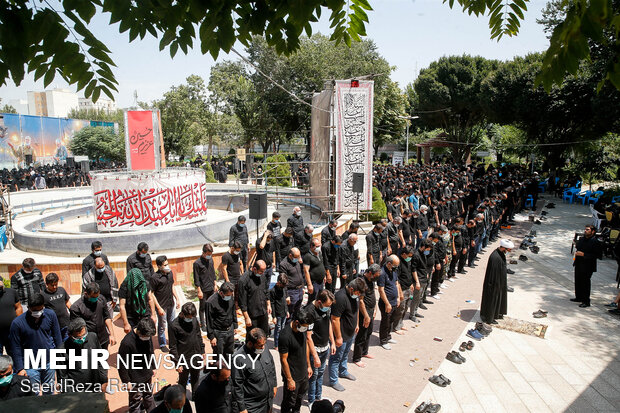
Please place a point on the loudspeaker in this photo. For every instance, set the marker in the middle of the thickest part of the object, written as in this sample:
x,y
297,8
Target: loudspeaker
x,y
70,161
28,159
85,166
358,182
258,206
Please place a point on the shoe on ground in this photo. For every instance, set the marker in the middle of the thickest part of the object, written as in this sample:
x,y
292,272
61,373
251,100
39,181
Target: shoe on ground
x,y
444,286
509,271
460,356
612,305
462,272
427,302
575,300
584,305
337,386
510,289
392,341
539,314
432,408
453,358
436,297
615,311
164,349
414,319
418,315
474,334
439,292
451,279
422,407
386,346
348,376
423,307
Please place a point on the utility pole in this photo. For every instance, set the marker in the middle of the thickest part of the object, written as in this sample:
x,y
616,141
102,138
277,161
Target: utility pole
x,y
409,119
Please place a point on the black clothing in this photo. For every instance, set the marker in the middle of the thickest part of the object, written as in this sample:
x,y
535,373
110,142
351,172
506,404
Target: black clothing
x,y
141,351
494,290
253,293
238,233
8,299
405,277
392,235
212,396
421,264
204,274
327,234
283,247
20,387
294,344
233,266
86,374
132,315
373,246
295,222
277,298
221,315
265,254
57,302
252,388
185,338
349,258
89,262
274,228
143,264
320,325
370,297
294,272
316,267
346,308
95,315
302,241
27,284
585,266
105,289
162,284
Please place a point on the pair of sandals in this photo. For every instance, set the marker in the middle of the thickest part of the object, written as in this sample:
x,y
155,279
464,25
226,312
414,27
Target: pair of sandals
x,y
466,346
522,258
540,314
428,407
455,357
441,380
535,249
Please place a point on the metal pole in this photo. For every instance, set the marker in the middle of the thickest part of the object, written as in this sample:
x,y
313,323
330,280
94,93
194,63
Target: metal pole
x,y
407,148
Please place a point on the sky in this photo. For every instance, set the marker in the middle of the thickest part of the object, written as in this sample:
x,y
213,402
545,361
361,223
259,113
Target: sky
x,y
409,34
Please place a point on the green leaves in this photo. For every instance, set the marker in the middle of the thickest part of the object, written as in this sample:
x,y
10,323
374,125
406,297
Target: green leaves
x,y
504,15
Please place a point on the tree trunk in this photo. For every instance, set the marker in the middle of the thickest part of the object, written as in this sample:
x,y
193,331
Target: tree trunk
x,y
210,151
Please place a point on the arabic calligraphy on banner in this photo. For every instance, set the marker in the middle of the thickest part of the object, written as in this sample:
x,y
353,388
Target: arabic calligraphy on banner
x,y
353,120
141,140
151,202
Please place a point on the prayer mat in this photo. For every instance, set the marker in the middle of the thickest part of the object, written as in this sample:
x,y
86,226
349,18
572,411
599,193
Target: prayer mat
x,y
522,326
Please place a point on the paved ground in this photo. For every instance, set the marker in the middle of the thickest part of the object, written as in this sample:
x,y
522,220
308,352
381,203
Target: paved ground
x,y
576,368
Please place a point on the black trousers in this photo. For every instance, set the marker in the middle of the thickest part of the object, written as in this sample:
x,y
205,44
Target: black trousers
x,y
385,327
261,322
202,308
362,339
418,296
225,342
436,279
141,400
291,400
453,262
582,285
189,373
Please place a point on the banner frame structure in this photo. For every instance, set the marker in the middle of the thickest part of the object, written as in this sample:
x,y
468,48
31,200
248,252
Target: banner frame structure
x,y
157,140
353,121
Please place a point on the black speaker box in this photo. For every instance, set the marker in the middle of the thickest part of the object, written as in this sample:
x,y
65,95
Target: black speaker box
x,y
258,206
70,161
358,182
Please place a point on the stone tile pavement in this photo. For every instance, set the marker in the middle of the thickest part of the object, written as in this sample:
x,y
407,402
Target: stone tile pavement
x,y
575,368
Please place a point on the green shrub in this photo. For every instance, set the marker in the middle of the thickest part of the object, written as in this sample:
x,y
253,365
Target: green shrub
x,y
279,174
379,210
210,177
383,157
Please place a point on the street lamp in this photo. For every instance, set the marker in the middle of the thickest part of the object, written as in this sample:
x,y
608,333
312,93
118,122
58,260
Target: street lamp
x,y
408,118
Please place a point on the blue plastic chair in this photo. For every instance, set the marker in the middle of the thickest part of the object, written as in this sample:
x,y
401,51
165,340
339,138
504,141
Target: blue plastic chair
x,y
529,201
568,195
542,186
578,184
594,197
615,199
584,196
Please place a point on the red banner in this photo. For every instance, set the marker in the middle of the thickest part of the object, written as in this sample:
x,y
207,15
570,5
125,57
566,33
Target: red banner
x,y
141,143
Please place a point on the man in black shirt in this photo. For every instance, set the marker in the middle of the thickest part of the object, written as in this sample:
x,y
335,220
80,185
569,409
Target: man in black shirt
x,y
253,384
588,250
27,281
204,280
344,326
12,385
331,260
162,284
265,251
214,393
278,297
186,340
373,245
303,239
136,300
103,275
349,260
422,224
89,261
329,232
93,309
421,266
353,228
239,233
138,343
390,297
57,300
407,285
230,267
296,221
291,267
80,339
10,307
274,225
439,254
283,244
222,320
314,270
295,361
366,315
141,259
320,341
253,297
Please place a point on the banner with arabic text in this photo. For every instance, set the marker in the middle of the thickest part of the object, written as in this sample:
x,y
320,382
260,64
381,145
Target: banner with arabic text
x,y
141,141
152,201
353,119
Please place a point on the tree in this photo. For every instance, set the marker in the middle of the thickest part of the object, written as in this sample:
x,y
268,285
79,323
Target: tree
x,y
48,42
98,115
98,143
596,161
448,91
7,108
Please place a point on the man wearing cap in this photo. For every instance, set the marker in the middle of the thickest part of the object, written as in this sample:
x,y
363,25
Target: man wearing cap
x,y
494,303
